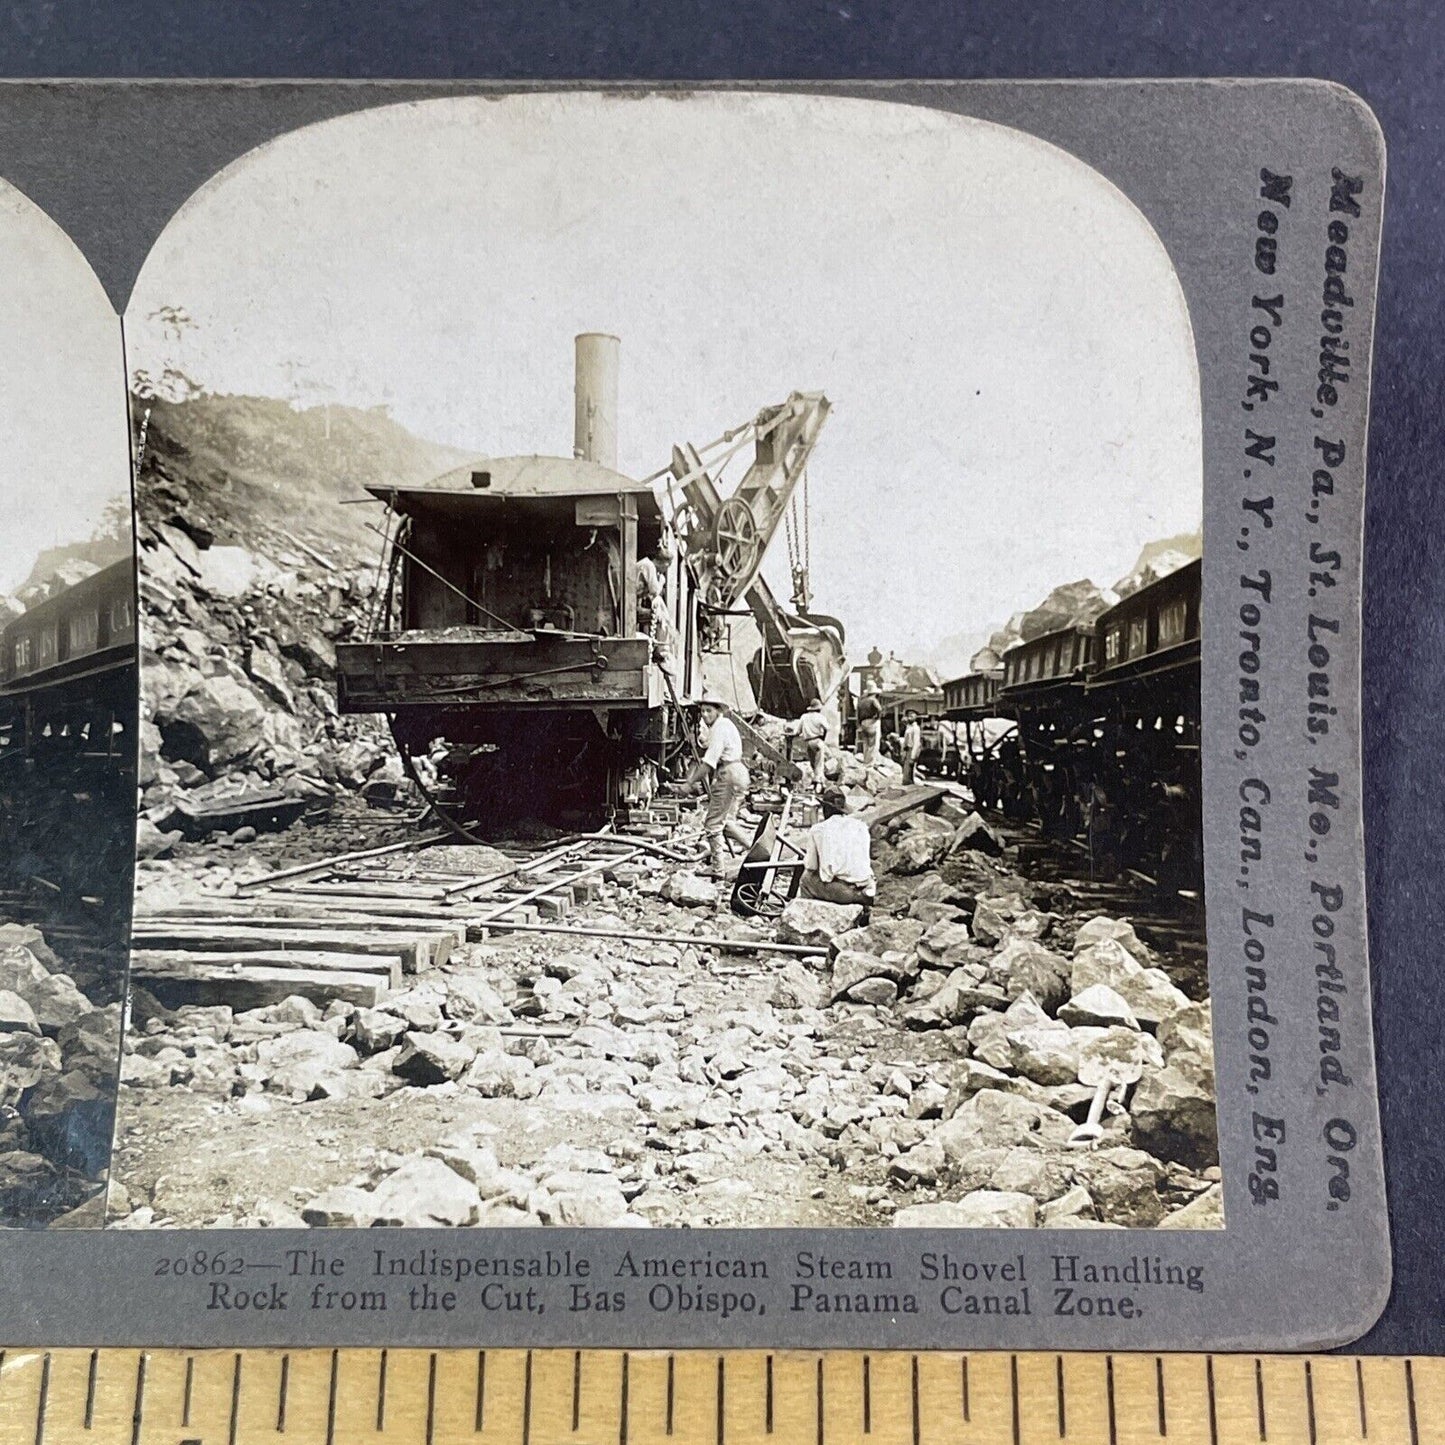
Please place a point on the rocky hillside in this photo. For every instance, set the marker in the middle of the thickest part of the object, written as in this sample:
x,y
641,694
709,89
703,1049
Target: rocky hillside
x,y
251,569
266,475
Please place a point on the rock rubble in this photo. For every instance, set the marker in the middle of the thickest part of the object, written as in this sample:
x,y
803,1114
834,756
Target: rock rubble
x,y
930,1064
58,1055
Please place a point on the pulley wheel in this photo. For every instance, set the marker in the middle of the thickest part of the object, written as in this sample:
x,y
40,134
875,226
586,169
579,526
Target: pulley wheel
x,y
736,540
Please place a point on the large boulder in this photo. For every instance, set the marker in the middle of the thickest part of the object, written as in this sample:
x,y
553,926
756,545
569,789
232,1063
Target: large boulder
x,y
584,1200
217,723
269,675
472,999
883,935
946,944
975,835
922,844
1124,1184
1118,930
52,996
795,985
690,890
1099,1005
1023,966
25,1059
957,999
496,1074
992,1119
1048,1055
851,968
432,1058
304,1062
425,1192
1173,1113
1204,1211
1190,1030
814,923
982,1209
1147,991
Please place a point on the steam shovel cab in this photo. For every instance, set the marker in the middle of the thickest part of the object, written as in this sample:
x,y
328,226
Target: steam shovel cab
x,y
510,652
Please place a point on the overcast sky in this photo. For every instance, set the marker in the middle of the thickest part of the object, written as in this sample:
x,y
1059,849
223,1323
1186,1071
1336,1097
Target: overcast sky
x,y
1000,332
64,455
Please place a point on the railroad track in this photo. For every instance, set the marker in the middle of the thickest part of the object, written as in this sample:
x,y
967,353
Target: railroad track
x,y
353,926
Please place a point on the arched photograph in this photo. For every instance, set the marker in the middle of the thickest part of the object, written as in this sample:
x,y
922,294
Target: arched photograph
x,y
67,723
670,660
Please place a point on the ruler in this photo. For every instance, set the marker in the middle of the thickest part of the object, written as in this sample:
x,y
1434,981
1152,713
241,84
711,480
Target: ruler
x,y
737,1397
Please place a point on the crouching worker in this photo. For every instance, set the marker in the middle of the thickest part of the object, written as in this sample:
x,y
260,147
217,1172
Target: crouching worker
x,y
722,769
838,866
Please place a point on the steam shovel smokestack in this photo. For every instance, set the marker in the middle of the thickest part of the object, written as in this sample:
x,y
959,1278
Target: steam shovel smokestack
x,y
595,436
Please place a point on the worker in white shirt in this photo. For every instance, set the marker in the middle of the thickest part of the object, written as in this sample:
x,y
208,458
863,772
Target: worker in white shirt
x,y
721,767
912,746
812,730
838,866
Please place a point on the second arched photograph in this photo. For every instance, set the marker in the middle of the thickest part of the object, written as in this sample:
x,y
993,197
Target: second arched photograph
x,y
670,681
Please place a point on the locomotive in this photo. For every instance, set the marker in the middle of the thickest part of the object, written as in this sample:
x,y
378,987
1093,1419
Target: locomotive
x,y
547,623
68,671
1092,732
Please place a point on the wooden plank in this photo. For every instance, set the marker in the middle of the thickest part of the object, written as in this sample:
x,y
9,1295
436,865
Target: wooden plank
x,y
386,968
414,951
193,981
927,796
444,934
427,914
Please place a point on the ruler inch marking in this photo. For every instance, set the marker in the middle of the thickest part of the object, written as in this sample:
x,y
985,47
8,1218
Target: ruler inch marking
x,y
44,1400
1310,1403
527,1401
576,1390
481,1392
235,1400
1360,1396
1159,1394
140,1395
90,1390
867,1398
281,1394
1259,1399
624,1402
1059,1392
431,1397
381,1393
1113,1412
331,1401
1213,1409
1410,1401
721,1399
917,1422
672,1361
967,1410
820,1400
769,1406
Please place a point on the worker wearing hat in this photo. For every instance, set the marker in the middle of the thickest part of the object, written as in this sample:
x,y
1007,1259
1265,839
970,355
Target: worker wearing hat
x,y
812,730
870,723
722,767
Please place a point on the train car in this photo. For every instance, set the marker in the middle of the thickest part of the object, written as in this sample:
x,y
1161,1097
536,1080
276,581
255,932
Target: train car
x,y
972,697
67,669
1144,696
